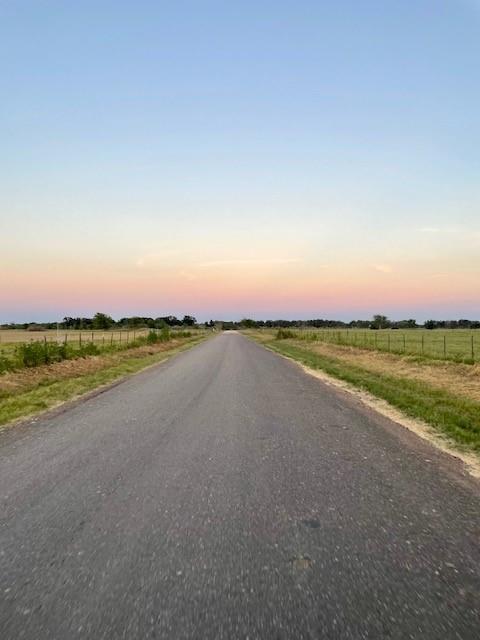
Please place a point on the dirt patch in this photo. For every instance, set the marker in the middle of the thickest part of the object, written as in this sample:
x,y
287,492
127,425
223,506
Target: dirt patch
x,y
301,562
460,379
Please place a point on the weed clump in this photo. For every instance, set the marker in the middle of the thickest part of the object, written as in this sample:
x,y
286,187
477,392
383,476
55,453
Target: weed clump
x,y
5,363
33,354
154,336
285,334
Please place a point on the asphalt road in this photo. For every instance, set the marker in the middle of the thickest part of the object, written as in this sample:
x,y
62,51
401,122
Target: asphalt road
x,y
226,494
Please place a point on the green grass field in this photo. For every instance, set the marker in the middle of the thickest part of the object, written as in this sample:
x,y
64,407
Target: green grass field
x,y
455,344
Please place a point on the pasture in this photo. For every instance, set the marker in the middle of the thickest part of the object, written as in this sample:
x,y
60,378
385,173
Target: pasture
x,y
9,337
446,344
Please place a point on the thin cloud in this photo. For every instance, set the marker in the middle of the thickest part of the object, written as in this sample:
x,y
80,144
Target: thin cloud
x,y
382,268
430,230
249,261
439,230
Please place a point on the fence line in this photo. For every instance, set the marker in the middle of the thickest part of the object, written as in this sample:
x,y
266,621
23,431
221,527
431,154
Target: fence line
x,y
47,349
458,347
70,336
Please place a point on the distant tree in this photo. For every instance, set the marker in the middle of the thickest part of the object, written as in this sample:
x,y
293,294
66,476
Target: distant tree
x,y
171,321
135,321
189,321
84,323
102,321
248,323
228,325
430,324
360,324
380,322
405,324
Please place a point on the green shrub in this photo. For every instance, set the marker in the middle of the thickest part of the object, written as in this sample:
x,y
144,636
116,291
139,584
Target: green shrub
x,y
164,334
152,337
182,334
88,349
5,363
285,334
33,354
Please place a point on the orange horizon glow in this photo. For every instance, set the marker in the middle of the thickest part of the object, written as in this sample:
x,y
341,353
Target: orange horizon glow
x,y
252,288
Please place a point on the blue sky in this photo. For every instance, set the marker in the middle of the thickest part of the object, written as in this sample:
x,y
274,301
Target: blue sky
x,y
319,156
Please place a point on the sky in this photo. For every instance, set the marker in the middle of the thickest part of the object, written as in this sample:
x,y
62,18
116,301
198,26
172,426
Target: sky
x,y
263,159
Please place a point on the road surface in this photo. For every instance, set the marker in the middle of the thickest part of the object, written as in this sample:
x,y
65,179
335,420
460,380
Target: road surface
x,y
226,494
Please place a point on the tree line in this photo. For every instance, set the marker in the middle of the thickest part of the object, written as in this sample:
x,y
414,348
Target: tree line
x,y
377,322
104,322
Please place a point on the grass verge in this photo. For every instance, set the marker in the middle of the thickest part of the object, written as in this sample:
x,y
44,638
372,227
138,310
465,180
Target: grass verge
x,y
50,391
456,417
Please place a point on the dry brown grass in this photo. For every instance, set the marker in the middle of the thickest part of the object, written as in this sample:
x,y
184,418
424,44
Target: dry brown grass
x,y
460,379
